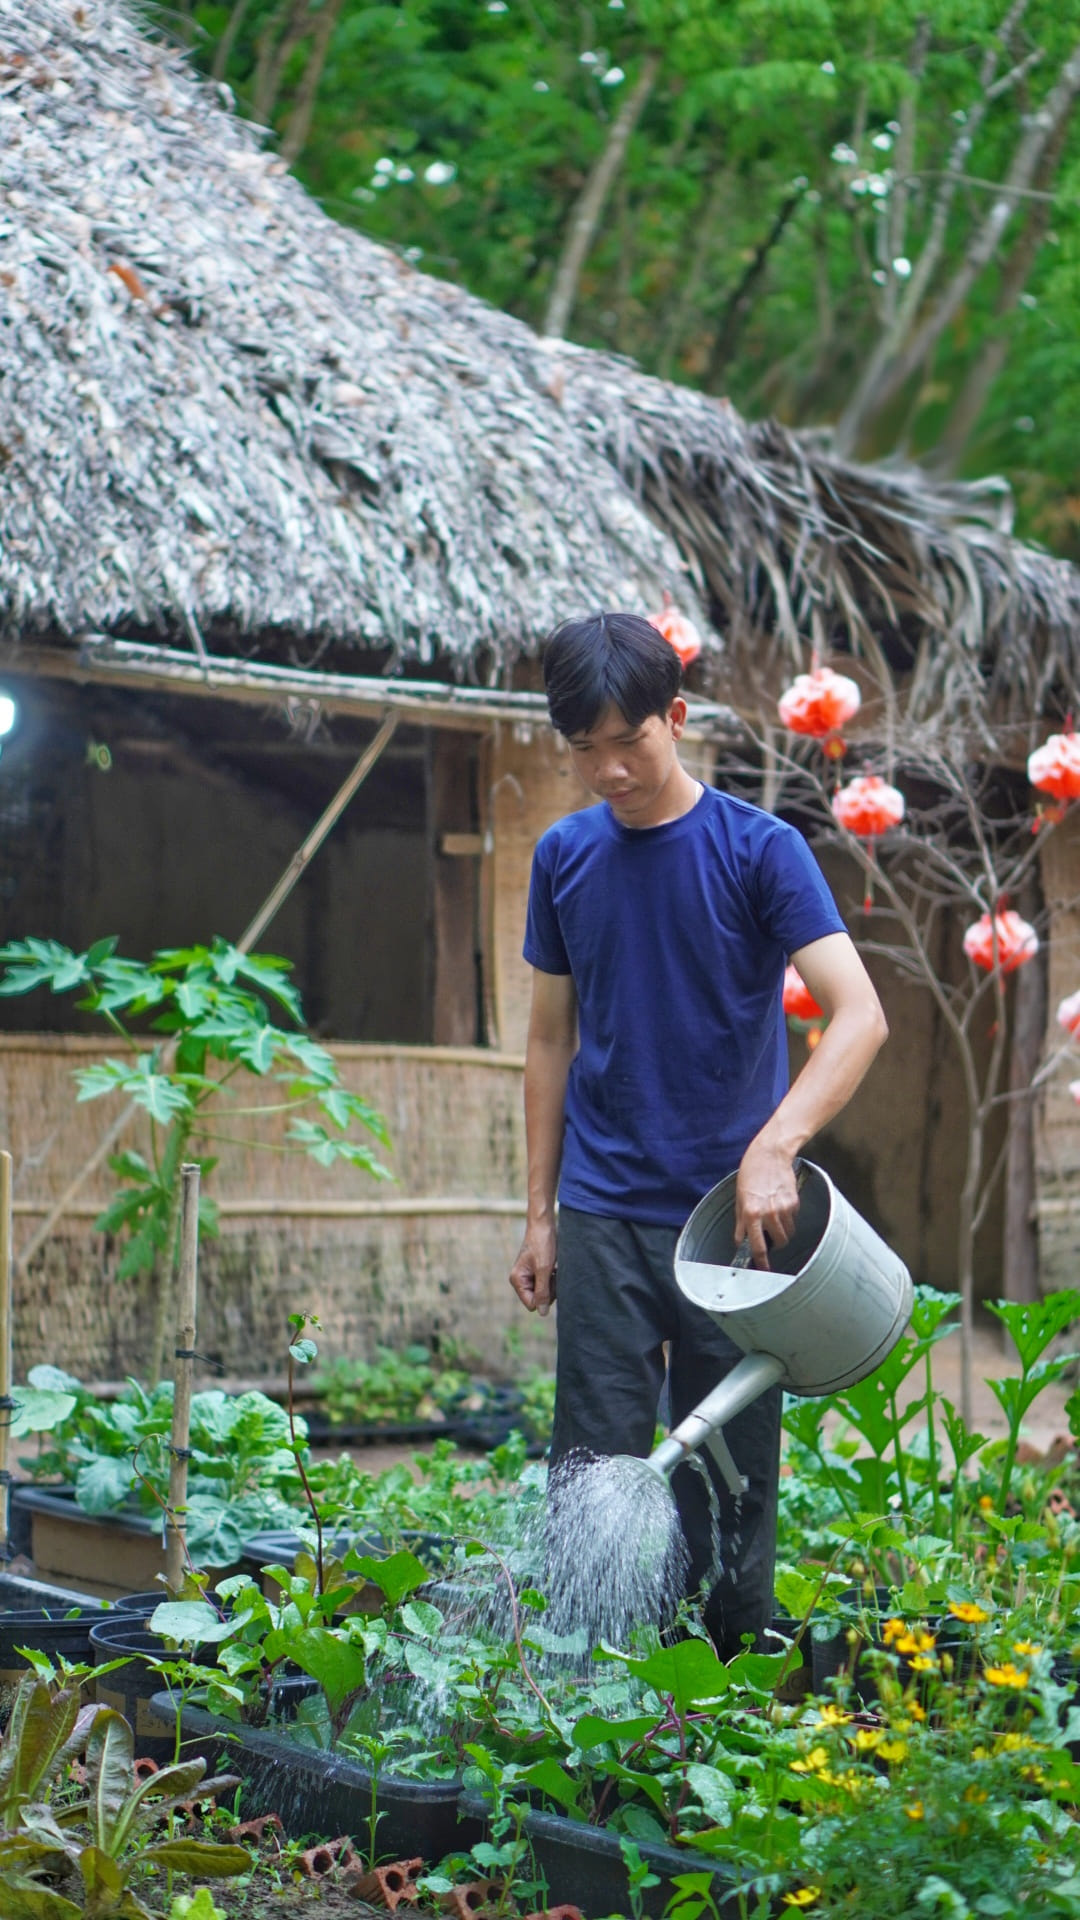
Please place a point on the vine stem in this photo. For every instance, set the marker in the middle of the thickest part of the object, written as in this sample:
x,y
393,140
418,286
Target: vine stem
x,y
304,1481
515,1616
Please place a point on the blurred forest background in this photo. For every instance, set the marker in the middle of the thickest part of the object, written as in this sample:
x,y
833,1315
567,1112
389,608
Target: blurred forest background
x,y
861,216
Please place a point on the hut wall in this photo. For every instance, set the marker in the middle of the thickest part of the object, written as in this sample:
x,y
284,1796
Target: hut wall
x,y
427,1256
1057,1129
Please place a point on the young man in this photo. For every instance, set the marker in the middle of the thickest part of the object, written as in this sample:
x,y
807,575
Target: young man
x,y
659,925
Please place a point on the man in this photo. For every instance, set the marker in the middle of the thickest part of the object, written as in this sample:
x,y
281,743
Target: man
x,y
659,925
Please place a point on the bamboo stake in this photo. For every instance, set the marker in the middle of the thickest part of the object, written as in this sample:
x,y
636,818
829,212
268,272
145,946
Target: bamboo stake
x,y
5,1345
183,1371
262,919
318,833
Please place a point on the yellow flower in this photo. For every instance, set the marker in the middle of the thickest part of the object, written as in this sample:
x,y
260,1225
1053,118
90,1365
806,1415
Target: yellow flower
x,y
893,1630
815,1760
915,1811
1007,1676
1018,1743
976,1794
892,1749
986,1503
915,1710
867,1738
830,1715
968,1610
1026,1647
922,1663
805,1897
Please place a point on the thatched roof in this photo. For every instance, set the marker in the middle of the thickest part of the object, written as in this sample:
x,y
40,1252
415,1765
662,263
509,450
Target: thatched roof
x,y
220,410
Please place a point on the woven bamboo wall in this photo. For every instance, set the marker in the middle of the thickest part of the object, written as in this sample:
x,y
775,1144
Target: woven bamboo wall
x,y
428,1255
1058,1118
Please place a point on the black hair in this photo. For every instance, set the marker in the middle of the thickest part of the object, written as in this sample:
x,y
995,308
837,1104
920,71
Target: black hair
x,y
608,660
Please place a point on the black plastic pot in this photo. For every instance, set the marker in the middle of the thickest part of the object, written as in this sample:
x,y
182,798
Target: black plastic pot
x,y
51,1631
133,1688
325,1433
327,1793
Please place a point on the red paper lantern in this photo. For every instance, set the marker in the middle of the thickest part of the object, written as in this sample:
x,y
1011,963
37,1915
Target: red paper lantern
x,y
799,1002
1068,1015
679,632
1074,1089
818,704
1017,942
1055,767
868,806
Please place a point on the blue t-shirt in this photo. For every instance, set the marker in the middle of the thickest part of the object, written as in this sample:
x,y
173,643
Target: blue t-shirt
x,y
677,937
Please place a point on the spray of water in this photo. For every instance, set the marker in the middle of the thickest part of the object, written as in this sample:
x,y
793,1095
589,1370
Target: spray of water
x,y
613,1549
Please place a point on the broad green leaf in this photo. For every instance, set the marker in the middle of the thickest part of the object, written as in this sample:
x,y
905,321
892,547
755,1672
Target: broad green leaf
x,y
552,1780
38,1410
399,1574
197,1857
104,1484
192,1622
110,1762
595,1730
338,1665
689,1673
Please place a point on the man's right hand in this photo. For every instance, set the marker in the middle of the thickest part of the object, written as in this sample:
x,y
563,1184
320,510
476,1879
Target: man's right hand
x,y
532,1275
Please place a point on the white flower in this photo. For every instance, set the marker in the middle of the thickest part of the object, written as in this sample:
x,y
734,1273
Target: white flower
x,y
800,181
612,77
440,173
413,254
587,59
858,185
384,165
892,126
814,197
497,6
1025,424
404,173
877,183
882,141
616,6
362,193
844,155
901,267
382,179
879,276
541,86
960,116
1028,300
827,67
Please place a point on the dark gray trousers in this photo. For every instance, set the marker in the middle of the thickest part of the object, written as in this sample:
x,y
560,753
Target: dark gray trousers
x,y
617,1303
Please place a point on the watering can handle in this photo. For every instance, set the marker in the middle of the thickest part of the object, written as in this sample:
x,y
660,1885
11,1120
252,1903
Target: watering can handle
x,y
743,1256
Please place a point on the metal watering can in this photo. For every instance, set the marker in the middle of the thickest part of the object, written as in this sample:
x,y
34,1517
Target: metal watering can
x,y
834,1304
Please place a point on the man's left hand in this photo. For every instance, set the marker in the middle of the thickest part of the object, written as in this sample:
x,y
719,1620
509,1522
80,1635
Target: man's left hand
x,y
766,1200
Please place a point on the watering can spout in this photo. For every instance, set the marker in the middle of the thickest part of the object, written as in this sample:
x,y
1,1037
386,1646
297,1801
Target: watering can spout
x,y
752,1376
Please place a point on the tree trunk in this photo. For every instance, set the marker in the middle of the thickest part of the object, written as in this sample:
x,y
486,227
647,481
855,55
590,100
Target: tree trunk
x,y
738,301
969,403
1021,1239
585,217
900,354
299,122
223,50
273,58
702,234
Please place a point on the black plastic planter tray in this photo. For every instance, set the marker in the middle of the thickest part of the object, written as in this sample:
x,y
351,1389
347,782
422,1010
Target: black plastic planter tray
x,y
328,1433
54,1631
326,1793
583,1866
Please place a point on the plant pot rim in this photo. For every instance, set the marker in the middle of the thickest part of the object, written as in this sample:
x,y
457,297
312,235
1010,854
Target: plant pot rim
x,y
340,1768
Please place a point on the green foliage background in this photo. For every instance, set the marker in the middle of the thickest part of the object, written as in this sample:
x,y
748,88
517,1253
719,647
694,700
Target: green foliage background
x,y
745,128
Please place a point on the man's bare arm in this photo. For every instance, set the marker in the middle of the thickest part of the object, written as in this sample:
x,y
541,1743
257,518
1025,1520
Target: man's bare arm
x,y
766,1195
551,1045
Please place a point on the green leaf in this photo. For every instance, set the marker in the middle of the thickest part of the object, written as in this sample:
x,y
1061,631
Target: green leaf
x,y
198,1857
399,1574
37,1410
110,1769
554,1782
104,1484
192,1622
338,1665
595,1730
689,1673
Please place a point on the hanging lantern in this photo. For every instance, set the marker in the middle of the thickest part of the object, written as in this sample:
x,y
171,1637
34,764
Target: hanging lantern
x,y
799,1002
801,1007
1068,1015
678,631
818,704
1074,1089
868,806
1017,942
1055,767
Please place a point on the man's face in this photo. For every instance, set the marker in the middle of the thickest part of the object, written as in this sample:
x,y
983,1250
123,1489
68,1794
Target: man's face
x,y
630,766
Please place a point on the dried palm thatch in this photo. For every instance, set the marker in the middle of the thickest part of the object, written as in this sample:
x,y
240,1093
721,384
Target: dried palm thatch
x,y
220,413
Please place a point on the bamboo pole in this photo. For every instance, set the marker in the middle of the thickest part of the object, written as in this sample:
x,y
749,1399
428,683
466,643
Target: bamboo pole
x,y
262,919
318,833
332,1208
183,1372
5,1346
